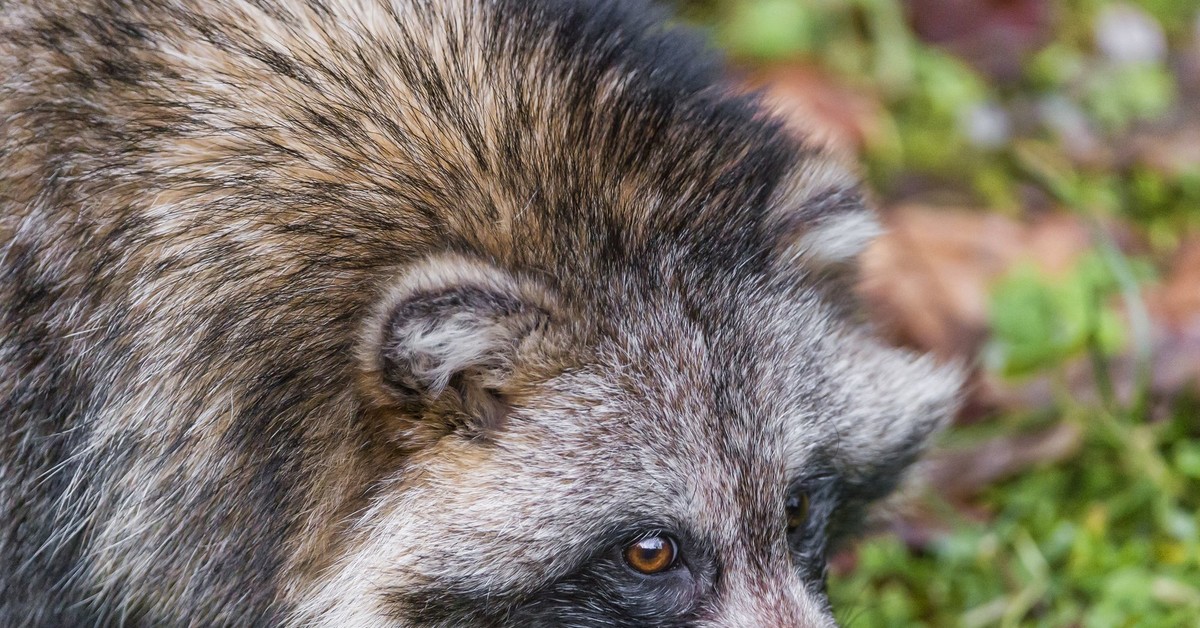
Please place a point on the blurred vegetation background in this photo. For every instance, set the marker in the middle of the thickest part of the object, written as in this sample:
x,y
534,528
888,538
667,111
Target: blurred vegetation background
x,y
1038,163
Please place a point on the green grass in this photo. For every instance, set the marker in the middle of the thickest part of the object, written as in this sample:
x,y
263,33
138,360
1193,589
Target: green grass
x,y
1108,538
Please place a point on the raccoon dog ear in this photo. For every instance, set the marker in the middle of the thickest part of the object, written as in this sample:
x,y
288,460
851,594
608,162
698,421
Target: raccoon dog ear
x,y
451,330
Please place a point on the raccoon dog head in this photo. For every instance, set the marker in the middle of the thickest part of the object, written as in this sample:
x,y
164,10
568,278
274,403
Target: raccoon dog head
x,y
678,447
459,313
628,386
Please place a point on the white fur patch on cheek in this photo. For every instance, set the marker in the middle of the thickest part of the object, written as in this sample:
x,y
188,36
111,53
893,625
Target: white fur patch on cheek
x,y
819,216
838,238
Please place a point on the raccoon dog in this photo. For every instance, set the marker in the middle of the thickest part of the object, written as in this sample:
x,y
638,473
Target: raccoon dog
x,y
422,313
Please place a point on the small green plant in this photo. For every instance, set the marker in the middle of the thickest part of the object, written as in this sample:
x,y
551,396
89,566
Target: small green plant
x,y
1108,539
1039,323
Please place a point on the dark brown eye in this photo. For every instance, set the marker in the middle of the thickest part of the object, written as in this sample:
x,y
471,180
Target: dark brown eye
x,y
797,511
651,555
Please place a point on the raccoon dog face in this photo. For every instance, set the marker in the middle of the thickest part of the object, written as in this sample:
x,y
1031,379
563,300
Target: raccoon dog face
x,y
423,313
681,453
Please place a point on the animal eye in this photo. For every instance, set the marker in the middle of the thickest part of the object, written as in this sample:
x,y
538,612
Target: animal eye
x,y
797,511
651,555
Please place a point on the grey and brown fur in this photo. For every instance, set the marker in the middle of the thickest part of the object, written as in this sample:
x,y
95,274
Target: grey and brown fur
x,y
413,313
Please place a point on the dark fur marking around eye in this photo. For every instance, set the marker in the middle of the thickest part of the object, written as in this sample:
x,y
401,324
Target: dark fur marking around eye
x,y
598,591
810,542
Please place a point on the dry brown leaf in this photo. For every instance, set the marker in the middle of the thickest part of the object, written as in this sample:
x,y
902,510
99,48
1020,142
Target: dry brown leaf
x,y
1171,150
817,106
959,474
1177,300
995,36
1175,311
928,279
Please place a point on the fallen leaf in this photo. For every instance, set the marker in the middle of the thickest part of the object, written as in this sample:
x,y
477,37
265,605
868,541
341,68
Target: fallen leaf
x,y
927,281
995,36
958,474
816,105
1176,301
